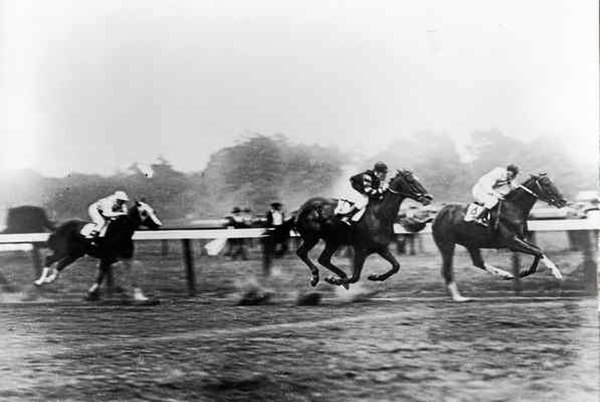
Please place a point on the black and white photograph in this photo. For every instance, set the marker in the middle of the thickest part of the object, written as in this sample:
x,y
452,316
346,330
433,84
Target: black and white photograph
x,y
299,201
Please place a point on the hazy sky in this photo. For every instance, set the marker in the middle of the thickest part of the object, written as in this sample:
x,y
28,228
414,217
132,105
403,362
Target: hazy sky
x,y
91,86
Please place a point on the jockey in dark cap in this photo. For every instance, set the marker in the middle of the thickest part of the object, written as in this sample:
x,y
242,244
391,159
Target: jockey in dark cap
x,y
368,185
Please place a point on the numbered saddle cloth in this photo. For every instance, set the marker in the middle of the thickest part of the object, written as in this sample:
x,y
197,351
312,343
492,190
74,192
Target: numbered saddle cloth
x,y
473,210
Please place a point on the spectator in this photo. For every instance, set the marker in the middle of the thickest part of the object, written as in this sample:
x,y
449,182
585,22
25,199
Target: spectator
x,y
276,217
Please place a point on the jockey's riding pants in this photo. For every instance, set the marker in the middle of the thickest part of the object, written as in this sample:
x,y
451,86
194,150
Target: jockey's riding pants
x,y
97,218
488,199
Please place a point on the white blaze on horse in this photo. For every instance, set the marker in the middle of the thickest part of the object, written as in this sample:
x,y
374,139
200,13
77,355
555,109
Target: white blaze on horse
x,y
507,229
71,240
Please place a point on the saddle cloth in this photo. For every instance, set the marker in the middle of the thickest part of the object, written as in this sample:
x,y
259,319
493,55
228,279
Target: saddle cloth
x,y
473,210
88,228
343,207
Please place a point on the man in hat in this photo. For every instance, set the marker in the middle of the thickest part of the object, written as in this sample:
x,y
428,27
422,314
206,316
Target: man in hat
x,y
276,217
368,185
492,187
237,247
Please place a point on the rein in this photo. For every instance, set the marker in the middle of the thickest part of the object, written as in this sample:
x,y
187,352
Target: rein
x,y
528,190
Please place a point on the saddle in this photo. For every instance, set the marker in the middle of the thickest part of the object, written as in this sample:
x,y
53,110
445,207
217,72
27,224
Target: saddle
x,y
473,210
87,230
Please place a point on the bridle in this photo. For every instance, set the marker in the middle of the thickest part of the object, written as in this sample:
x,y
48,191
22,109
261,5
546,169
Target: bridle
x,y
536,179
408,195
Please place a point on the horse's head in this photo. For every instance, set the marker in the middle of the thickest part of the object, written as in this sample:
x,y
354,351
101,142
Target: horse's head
x,y
545,190
145,215
406,183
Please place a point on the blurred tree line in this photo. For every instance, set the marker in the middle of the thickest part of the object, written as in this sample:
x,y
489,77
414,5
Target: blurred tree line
x,y
261,169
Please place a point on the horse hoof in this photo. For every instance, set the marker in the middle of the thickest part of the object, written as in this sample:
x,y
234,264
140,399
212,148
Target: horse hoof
x,y
92,296
461,299
314,280
346,286
374,277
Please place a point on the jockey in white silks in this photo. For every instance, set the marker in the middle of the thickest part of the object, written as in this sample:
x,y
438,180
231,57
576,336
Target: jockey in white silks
x,y
108,207
492,187
367,185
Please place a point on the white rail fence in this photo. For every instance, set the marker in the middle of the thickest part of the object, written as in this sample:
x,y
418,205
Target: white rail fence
x,y
591,225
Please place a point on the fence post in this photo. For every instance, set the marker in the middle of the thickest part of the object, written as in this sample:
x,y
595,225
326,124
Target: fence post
x,y
110,280
268,252
189,266
37,259
590,266
516,265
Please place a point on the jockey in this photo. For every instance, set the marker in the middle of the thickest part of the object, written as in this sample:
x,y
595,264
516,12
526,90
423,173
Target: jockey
x,y
108,207
368,185
492,187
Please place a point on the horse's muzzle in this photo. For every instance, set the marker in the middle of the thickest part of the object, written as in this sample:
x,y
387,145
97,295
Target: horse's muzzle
x,y
425,199
560,203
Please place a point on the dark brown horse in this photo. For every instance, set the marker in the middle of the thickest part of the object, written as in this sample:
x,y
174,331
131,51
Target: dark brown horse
x,y
68,244
316,220
507,229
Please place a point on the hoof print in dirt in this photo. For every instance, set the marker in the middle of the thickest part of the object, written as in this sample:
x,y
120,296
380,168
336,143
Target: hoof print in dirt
x,y
309,299
254,297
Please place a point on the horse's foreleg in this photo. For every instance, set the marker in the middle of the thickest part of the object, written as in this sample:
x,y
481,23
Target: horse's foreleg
x,y
389,257
479,263
94,290
325,260
302,252
525,247
358,262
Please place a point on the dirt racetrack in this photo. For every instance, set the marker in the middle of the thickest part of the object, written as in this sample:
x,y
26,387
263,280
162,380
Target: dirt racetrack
x,y
401,340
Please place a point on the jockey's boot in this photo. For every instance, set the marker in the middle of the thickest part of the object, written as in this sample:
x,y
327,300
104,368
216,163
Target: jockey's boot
x,y
480,218
346,218
94,234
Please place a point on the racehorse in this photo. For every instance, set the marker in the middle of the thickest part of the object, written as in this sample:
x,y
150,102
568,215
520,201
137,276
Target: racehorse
x,y
68,244
507,229
316,220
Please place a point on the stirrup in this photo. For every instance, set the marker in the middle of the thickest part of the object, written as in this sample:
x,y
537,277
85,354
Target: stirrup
x,y
481,222
346,220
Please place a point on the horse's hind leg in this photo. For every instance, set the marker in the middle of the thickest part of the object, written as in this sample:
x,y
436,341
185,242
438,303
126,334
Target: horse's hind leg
x,y
307,244
49,274
49,261
447,251
62,264
479,263
389,257
325,260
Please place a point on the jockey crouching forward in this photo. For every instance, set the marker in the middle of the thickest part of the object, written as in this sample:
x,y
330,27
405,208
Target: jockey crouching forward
x,y
367,185
107,208
492,187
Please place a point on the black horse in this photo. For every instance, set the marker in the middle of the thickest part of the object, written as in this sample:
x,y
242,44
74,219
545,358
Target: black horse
x,y
68,244
316,220
507,229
